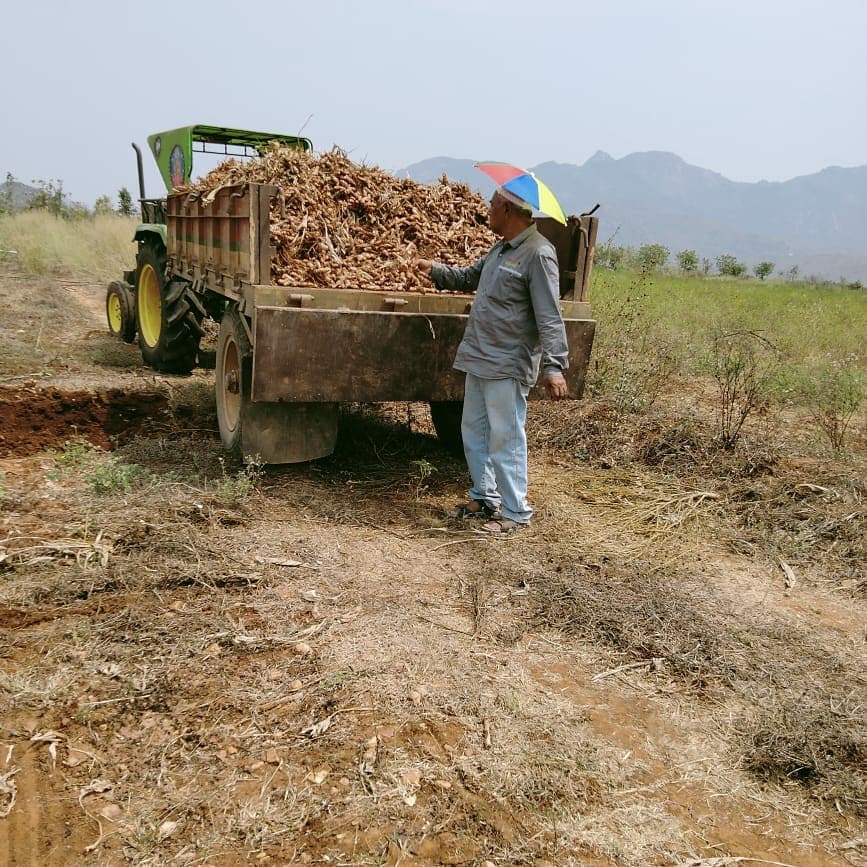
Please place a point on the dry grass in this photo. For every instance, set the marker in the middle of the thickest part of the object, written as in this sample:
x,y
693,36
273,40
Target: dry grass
x,y
412,702
815,740
764,498
664,620
806,518
802,713
97,248
311,662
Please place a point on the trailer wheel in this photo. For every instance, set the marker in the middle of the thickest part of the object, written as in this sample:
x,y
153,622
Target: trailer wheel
x,y
169,326
446,418
120,311
234,371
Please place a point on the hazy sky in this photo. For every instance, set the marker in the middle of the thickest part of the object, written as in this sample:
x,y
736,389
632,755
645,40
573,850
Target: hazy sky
x,y
753,89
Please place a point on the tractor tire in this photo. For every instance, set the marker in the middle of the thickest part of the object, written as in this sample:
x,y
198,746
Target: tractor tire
x,y
233,377
446,418
169,325
120,310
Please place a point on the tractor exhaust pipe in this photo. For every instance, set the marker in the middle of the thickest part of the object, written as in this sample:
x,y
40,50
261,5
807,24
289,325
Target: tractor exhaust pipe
x,y
141,189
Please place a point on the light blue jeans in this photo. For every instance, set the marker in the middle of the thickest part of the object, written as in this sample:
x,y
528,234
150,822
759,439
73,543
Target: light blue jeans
x,y
495,444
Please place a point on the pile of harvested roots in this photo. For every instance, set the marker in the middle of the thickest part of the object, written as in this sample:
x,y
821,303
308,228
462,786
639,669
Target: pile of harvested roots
x,y
346,226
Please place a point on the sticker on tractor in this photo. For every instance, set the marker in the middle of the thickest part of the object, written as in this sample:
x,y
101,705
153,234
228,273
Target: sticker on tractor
x,y
177,169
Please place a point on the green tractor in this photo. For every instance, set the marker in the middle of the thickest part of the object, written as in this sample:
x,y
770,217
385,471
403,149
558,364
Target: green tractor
x,y
152,301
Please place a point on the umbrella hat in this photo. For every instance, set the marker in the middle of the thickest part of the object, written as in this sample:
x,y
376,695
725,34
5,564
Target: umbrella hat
x,y
526,186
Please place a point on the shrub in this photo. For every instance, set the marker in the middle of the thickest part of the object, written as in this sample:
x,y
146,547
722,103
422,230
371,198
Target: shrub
x,y
743,363
687,261
632,361
837,393
763,269
729,266
652,256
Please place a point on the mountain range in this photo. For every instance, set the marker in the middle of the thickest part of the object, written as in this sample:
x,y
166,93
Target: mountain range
x,y
14,194
816,222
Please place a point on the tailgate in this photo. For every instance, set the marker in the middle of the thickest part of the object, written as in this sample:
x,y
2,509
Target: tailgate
x,y
312,355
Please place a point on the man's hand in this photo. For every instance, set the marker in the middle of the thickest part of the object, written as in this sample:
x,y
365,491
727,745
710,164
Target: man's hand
x,y
555,386
423,266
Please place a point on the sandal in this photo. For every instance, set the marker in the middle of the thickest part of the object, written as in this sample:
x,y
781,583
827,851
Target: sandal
x,y
471,509
502,526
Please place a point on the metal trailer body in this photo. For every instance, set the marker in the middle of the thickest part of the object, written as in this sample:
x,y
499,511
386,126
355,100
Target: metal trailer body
x,y
287,356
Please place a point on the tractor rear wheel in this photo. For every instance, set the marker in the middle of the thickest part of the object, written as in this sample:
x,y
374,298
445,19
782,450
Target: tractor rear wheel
x,y
169,326
234,372
276,432
120,310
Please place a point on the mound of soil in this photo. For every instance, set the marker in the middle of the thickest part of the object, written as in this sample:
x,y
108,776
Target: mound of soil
x,y
36,419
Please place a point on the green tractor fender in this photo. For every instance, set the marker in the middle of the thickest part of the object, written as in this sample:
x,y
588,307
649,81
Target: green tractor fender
x,y
151,231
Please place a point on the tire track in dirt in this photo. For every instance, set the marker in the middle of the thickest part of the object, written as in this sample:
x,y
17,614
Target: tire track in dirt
x,y
44,827
97,605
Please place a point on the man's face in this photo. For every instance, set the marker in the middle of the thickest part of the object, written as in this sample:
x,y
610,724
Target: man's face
x,y
497,213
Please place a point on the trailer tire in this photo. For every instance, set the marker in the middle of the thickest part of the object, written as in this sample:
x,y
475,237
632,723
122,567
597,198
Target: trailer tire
x,y
169,325
446,418
120,310
233,374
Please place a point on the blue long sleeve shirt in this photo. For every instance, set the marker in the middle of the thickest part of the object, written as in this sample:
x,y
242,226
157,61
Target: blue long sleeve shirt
x,y
515,324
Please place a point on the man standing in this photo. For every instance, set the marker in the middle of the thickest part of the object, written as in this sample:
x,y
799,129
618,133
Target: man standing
x,y
515,326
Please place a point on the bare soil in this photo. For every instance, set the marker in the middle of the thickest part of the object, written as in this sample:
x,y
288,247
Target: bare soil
x,y
206,663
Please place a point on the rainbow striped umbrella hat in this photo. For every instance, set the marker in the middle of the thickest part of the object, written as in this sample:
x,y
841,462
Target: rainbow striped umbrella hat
x,y
526,186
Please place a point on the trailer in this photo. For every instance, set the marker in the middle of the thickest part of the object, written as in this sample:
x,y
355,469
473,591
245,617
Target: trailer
x,y
287,357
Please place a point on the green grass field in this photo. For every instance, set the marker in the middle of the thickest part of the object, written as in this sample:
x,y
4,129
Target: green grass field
x,y
809,340
809,324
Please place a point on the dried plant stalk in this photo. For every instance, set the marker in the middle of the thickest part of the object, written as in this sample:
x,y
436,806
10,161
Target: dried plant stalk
x,y
340,225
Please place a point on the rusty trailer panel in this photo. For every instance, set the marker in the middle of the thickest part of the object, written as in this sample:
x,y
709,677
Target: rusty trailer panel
x,y
575,244
222,241
313,355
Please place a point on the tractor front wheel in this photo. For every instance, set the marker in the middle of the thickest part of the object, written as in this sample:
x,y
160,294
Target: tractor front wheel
x,y
169,326
120,310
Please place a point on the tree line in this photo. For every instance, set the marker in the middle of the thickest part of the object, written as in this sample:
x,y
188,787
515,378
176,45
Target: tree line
x,y
48,195
655,257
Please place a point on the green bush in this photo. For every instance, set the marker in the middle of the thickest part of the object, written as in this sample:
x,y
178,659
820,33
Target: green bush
x,y
651,257
237,486
763,269
743,363
687,261
837,393
729,266
632,359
